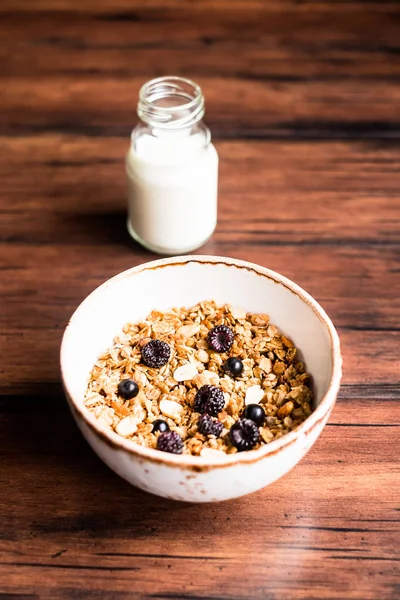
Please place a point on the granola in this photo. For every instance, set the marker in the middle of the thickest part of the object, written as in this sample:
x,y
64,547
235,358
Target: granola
x,y
266,374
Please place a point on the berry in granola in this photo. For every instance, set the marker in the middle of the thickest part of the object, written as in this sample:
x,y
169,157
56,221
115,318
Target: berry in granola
x,y
170,441
244,434
128,388
209,400
233,366
255,413
209,426
160,425
220,338
156,354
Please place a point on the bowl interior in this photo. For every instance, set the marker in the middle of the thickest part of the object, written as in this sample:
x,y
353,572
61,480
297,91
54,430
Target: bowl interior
x,y
165,284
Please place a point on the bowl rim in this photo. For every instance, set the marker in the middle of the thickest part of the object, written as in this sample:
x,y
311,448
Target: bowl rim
x,y
198,463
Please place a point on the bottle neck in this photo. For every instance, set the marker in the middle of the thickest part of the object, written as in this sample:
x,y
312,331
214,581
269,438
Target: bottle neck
x,y
170,104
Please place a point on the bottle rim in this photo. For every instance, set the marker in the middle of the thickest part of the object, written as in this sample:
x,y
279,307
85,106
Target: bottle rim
x,y
184,113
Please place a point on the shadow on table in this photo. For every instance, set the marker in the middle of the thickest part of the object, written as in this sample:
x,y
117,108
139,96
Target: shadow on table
x,y
67,488
108,227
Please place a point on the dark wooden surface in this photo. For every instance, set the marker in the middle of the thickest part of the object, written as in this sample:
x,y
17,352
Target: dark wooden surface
x,y
303,100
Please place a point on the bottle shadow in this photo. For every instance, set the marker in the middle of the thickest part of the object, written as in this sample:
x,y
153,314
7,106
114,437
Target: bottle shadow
x,y
110,228
107,227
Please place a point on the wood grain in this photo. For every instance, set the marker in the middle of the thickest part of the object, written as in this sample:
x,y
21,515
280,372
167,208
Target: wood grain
x,y
302,99
311,521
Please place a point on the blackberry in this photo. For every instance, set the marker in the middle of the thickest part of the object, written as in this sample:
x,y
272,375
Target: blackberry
x,y
255,413
170,441
244,434
233,366
220,338
128,388
208,426
160,425
209,400
156,353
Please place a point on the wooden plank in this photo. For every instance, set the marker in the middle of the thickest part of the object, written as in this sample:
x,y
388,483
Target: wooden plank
x,y
205,57
316,186
235,107
256,80
81,541
249,44
35,297
103,6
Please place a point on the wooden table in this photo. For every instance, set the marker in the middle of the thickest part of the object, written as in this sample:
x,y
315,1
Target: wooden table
x,y
303,102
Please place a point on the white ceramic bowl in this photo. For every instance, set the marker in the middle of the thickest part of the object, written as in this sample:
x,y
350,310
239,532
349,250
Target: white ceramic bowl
x,y
184,281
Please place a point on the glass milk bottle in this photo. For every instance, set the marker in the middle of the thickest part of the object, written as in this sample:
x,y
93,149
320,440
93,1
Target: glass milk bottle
x,y
172,169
